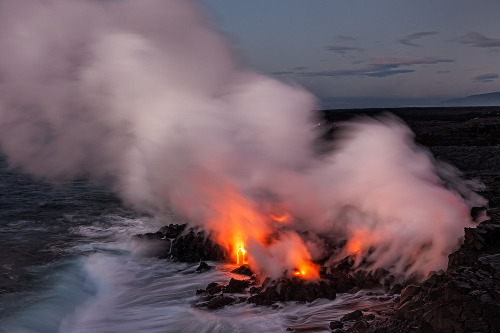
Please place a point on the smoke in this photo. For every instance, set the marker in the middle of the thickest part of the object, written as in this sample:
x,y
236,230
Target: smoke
x,y
384,192
145,96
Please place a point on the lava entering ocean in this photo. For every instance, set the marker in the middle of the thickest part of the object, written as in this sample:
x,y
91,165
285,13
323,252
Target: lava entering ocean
x,y
145,96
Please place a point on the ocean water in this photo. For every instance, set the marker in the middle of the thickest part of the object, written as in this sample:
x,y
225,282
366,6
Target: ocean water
x,y
67,264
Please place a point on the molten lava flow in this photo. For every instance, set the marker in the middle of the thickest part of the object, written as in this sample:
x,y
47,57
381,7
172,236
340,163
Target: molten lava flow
x,y
307,270
241,255
252,237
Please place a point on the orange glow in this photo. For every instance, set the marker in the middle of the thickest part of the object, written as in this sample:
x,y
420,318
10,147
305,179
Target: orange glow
x,y
236,220
237,223
279,218
359,240
241,255
307,270
354,246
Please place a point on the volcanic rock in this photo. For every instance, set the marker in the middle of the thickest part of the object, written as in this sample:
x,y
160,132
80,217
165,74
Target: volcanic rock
x,y
172,230
149,236
243,270
212,289
186,245
334,324
352,315
236,286
255,290
203,267
193,246
219,302
344,278
465,298
341,281
396,289
294,289
369,317
151,244
359,325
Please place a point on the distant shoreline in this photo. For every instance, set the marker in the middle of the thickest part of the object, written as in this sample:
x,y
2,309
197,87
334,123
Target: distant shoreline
x,y
434,112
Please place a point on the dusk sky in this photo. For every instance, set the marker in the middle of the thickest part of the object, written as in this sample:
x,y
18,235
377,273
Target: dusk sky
x,y
369,53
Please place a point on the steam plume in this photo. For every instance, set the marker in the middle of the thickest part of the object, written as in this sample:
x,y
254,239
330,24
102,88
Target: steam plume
x,y
146,96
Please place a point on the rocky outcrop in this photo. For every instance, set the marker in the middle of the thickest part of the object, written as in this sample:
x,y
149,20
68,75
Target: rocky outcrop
x,y
178,242
243,270
269,293
465,298
195,245
203,267
293,289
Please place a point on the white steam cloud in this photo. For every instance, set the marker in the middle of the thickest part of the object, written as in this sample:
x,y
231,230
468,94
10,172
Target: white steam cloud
x,y
146,96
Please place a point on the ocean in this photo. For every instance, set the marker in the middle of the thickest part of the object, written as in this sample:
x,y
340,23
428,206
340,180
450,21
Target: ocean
x,y
68,265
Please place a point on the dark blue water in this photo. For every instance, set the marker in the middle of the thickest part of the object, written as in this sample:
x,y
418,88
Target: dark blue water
x,y
67,264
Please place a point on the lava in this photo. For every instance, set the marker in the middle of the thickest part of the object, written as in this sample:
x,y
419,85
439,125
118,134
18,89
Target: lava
x,y
279,218
241,255
354,246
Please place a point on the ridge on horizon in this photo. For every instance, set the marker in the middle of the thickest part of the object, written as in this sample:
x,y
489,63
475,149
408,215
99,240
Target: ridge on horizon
x,y
363,102
487,99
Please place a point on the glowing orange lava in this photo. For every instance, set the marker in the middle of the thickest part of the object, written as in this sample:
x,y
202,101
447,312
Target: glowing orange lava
x,y
279,218
307,270
354,246
359,241
241,255
236,222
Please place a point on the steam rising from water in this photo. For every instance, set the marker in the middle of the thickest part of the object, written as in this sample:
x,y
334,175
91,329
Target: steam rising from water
x,y
146,96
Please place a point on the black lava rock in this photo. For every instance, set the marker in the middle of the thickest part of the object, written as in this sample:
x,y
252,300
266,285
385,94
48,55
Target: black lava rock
x,y
149,236
172,230
359,325
214,288
193,246
369,317
465,298
352,315
203,267
396,289
243,270
187,245
334,324
236,286
219,302
293,289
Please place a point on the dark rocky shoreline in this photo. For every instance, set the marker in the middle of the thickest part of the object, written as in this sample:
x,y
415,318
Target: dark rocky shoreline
x,y
465,298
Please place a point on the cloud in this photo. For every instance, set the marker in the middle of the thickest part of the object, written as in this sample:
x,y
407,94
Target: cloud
x,y
300,68
478,40
409,61
390,72
283,73
485,77
342,49
345,38
408,40
379,67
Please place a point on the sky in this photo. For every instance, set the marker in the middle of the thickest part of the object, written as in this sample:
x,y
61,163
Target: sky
x,y
369,53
